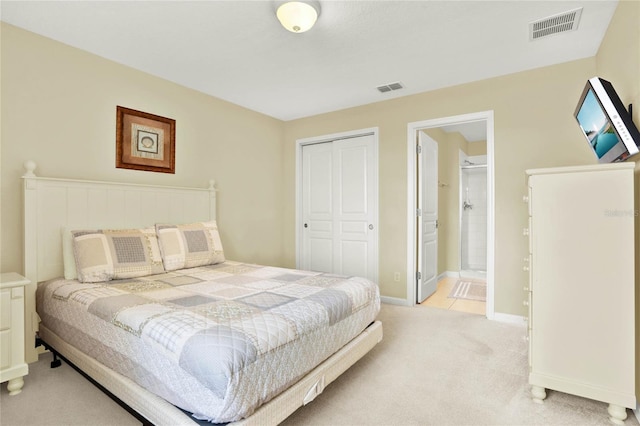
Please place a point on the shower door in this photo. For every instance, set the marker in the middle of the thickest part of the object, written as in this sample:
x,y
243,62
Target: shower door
x,y
473,220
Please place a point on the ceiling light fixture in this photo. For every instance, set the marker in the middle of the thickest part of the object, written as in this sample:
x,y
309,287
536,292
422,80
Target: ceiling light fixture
x,y
298,16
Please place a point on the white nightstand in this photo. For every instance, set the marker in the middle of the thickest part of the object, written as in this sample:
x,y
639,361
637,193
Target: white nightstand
x,y
12,363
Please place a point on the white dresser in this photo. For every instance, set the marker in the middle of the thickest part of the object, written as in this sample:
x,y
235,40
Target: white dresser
x,y
12,362
582,284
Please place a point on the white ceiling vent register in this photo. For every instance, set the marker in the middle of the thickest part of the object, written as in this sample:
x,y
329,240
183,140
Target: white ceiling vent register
x,y
560,23
389,87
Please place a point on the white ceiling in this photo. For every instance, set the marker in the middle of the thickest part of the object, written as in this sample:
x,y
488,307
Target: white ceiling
x,y
473,131
237,50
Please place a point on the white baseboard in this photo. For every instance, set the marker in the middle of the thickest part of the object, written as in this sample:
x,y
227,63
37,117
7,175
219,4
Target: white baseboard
x,y
636,412
509,318
394,301
448,274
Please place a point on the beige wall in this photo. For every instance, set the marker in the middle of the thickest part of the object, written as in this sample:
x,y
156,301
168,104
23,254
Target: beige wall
x,y
477,148
534,127
539,132
59,109
62,115
618,60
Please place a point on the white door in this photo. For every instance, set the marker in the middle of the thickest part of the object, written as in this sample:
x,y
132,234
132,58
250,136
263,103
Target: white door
x,y
317,202
427,276
339,204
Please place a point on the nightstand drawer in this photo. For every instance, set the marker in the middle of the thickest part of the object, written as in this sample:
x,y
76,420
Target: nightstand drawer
x,y
5,309
12,363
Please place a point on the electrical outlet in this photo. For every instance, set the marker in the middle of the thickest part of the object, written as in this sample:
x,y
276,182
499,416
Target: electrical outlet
x,y
396,276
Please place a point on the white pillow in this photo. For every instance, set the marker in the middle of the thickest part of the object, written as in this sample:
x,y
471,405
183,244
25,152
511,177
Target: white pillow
x,y
189,245
103,255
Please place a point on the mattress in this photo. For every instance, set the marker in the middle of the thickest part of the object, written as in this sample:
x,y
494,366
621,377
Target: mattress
x,y
217,341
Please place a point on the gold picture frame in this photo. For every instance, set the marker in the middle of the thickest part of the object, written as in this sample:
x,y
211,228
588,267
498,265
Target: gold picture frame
x,y
145,141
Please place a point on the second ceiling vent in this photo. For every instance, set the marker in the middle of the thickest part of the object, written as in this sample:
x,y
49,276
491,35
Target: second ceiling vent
x,y
562,22
389,87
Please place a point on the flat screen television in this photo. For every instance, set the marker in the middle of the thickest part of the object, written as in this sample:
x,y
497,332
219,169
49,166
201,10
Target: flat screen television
x,y
606,123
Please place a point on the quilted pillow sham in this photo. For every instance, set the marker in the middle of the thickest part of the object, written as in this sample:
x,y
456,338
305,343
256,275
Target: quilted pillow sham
x,y
104,255
189,245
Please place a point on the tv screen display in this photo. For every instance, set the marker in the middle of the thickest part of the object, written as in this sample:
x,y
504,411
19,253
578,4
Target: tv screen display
x,y
605,122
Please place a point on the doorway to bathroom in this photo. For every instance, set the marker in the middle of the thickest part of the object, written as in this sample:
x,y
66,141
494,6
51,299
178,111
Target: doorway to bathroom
x,y
454,255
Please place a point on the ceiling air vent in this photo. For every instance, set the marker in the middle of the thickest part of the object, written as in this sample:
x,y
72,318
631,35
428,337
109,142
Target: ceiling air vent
x,y
560,23
389,87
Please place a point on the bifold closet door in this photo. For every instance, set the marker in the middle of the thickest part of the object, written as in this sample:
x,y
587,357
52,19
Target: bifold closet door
x,y
339,199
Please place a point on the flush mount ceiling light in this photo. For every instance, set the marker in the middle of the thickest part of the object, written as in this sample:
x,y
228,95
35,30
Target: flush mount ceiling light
x,y
298,16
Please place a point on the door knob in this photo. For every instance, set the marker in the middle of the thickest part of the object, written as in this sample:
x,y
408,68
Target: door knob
x,y
370,226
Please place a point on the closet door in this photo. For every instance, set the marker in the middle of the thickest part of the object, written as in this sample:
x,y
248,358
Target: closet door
x,y
317,205
339,203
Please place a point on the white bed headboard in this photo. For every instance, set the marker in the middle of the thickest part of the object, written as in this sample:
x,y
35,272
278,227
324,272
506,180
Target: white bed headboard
x,y
50,204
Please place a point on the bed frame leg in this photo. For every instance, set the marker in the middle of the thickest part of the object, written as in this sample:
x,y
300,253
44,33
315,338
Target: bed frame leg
x,y
56,362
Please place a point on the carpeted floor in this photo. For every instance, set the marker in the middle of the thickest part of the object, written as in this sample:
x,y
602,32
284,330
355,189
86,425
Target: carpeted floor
x,y
434,367
440,367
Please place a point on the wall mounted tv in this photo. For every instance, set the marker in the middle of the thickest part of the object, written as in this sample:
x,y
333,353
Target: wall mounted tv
x,y
606,123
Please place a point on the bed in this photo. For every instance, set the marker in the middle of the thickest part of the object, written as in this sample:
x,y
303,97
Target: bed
x,y
182,340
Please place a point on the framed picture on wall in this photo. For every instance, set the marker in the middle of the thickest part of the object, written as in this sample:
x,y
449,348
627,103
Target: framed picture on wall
x,y
145,141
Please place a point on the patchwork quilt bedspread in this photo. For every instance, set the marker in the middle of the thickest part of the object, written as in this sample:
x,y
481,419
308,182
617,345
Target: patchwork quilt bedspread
x,y
217,341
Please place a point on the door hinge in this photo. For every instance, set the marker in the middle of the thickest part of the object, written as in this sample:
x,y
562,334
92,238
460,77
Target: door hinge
x,y
418,276
418,149
418,212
